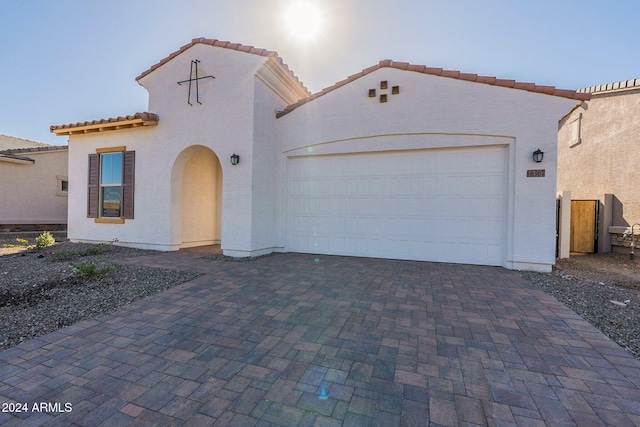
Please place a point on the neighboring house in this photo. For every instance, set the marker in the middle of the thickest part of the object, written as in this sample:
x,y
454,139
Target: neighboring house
x,y
398,161
34,186
598,149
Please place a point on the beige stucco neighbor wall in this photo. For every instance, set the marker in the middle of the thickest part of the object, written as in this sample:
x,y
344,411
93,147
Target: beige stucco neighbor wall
x,y
598,148
30,193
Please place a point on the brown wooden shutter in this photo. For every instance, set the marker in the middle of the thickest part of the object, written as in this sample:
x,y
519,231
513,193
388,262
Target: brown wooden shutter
x,y
128,181
93,186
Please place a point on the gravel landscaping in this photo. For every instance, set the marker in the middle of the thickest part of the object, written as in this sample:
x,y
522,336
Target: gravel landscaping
x,y
46,289
602,288
50,288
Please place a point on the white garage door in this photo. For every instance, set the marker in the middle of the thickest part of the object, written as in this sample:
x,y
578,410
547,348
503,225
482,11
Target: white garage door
x,y
444,205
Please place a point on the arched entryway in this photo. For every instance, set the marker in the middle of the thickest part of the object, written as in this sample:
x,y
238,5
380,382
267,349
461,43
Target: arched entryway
x,y
196,198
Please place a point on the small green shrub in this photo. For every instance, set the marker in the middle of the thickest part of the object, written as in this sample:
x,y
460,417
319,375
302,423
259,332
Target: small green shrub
x,y
94,250
44,240
64,255
90,270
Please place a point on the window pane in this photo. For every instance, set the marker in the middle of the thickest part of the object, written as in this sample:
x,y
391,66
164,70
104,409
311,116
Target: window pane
x,y
64,185
111,169
111,201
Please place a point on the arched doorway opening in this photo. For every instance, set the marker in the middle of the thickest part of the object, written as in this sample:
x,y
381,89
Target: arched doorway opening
x,y
196,194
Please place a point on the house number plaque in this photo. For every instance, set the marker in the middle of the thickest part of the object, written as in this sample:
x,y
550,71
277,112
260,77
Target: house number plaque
x,y
535,173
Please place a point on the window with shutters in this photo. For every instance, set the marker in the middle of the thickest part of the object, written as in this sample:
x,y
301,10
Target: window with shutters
x,y
110,185
110,189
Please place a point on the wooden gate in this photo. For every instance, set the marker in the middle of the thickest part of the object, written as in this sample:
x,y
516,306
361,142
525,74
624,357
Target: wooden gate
x,y
584,226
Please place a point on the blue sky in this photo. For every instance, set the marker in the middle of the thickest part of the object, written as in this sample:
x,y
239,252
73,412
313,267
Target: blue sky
x,y
64,61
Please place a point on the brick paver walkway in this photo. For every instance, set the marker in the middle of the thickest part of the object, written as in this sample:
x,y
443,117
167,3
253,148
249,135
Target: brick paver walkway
x,y
297,339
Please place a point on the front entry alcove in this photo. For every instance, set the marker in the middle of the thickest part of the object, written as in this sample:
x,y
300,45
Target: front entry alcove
x,y
196,198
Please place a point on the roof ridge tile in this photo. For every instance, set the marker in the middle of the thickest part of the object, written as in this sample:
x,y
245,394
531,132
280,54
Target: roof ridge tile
x,y
34,149
490,80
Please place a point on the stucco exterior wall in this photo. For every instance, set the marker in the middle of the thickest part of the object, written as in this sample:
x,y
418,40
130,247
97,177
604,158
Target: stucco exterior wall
x,y
150,227
266,235
604,160
171,152
30,193
431,112
223,122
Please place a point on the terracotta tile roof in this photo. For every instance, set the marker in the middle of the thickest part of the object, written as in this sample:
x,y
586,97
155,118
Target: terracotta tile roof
x,y
13,151
11,154
226,45
10,142
612,87
387,63
110,123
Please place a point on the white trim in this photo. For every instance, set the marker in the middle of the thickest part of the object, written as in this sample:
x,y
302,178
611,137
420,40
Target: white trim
x,y
529,266
59,191
245,254
18,161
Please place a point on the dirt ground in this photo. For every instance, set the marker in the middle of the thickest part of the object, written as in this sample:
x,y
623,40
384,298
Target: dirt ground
x,y
610,268
9,243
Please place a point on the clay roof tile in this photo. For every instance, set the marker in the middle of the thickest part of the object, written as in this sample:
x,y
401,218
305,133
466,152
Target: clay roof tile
x,y
549,90
486,79
450,73
145,117
418,68
400,65
505,83
468,76
431,70
525,86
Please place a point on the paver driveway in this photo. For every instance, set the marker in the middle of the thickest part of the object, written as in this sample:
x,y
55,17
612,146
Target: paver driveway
x,y
297,339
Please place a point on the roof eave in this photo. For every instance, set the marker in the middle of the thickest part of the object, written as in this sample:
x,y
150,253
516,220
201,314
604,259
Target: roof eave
x,y
136,121
18,160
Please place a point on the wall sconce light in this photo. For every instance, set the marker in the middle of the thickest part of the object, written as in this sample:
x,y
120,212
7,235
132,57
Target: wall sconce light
x,y
538,155
235,159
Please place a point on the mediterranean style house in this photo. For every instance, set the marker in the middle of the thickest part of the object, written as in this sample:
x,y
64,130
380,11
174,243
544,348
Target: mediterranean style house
x,y
397,161
597,164
34,186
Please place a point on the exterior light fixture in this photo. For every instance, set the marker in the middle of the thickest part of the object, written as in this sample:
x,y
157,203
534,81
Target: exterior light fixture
x,y
235,159
538,155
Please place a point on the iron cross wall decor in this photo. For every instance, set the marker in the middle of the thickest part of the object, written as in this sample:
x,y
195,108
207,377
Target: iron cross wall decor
x,y
192,72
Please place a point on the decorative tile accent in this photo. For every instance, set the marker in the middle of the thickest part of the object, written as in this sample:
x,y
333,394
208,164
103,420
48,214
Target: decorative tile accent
x,y
384,87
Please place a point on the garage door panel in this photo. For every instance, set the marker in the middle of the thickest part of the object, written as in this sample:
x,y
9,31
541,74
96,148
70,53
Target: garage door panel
x,y
439,205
